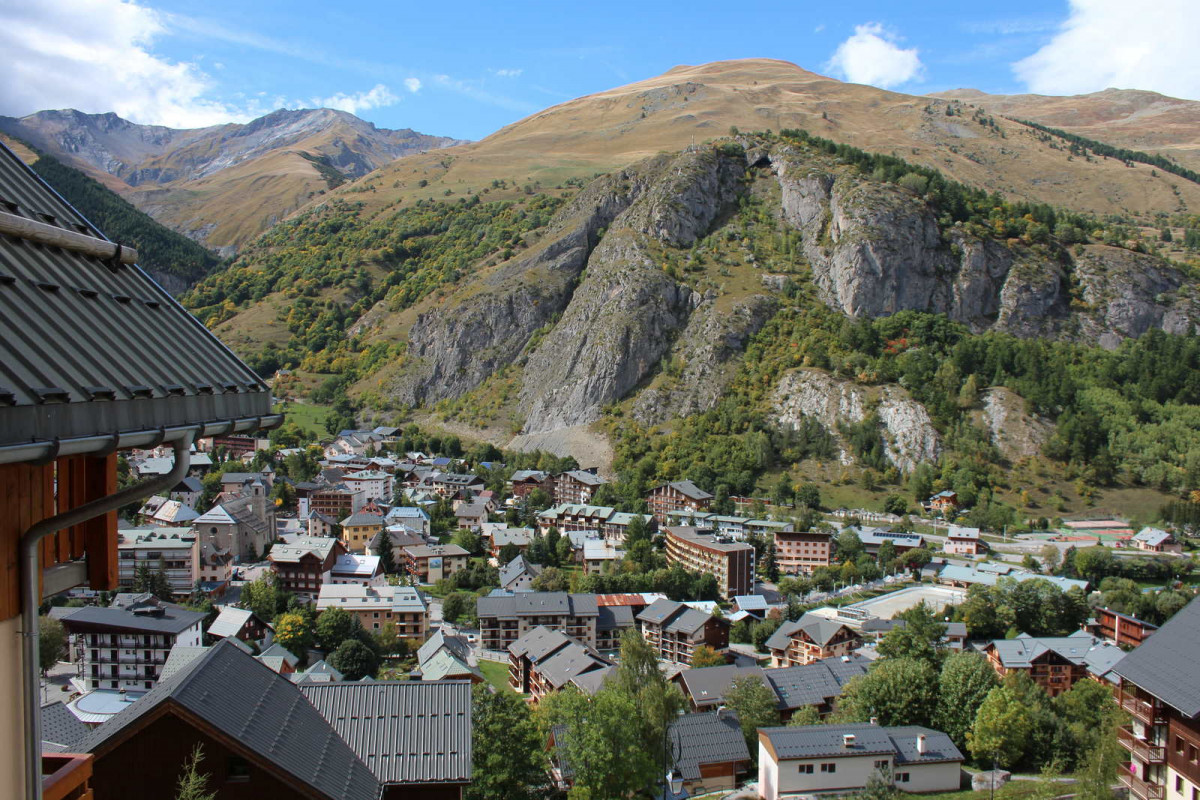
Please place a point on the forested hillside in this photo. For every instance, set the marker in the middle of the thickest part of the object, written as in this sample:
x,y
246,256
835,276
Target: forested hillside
x,y
160,249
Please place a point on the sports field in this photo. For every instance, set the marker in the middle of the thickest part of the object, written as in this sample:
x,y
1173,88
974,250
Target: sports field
x,y
887,606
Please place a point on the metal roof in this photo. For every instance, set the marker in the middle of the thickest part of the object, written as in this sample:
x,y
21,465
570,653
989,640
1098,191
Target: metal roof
x,y
173,619
707,685
229,622
713,737
687,489
62,731
263,712
819,629
816,683
514,569
95,354
408,732
1165,664
826,741
458,646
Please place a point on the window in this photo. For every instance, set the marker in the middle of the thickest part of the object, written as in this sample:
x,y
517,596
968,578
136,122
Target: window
x,y
830,767
902,777
237,769
805,769
1179,745
1178,784
881,765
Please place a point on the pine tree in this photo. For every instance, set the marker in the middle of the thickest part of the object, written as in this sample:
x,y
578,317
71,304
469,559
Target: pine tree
x,y
387,559
192,783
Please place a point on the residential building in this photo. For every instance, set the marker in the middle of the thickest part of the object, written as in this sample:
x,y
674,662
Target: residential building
x,y
611,623
1154,540
400,538
818,684
504,618
172,550
214,569
944,502
576,486
411,517
125,647
414,735
524,481
599,556
709,751
336,500
279,659
1055,662
448,484
841,759
259,734
95,357
677,496
574,517
446,657
964,541
429,563
471,515
239,623
374,484
518,574
319,524
615,527
188,491
376,606
359,529
989,573
500,538
675,630
730,562
1157,688
362,570
544,660
304,566
902,541
801,552
1120,629
811,638
239,446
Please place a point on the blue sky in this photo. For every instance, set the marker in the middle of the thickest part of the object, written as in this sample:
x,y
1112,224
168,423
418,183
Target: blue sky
x,y
466,69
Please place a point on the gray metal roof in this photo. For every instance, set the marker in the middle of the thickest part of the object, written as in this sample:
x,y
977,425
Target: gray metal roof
x,y
445,665
707,685
514,569
816,683
819,629
1165,665
660,611
688,622
614,618
408,732
173,619
570,662
263,712
96,349
826,741
456,645
713,737
538,643
689,489
538,603
62,731
229,622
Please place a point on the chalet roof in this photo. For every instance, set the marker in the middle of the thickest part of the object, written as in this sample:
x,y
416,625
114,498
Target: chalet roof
x,y
707,685
819,629
514,569
440,640
687,489
826,741
62,731
92,349
435,550
355,565
518,536
231,620
1165,664
471,510
406,732
362,518
262,712
816,683
959,532
528,475
444,665
1153,536
537,603
1079,648
319,546
613,618
713,737
584,477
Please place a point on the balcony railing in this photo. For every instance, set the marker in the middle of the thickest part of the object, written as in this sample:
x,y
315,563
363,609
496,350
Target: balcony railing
x,y
1145,752
1140,788
66,776
1149,713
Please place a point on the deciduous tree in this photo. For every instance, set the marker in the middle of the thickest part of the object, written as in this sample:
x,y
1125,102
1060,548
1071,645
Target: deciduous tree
x,y
756,707
1001,730
506,749
964,683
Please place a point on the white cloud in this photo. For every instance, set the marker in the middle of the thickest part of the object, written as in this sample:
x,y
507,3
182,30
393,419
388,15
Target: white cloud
x,y
96,56
376,97
1114,43
873,56
820,28
509,73
412,84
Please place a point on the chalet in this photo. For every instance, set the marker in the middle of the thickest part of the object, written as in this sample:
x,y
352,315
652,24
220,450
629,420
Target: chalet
x,y
518,574
446,657
411,517
964,541
675,630
576,486
448,484
277,658
257,730
1157,689
1055,663
321,525
361,570
471,515
944,503
600,556
677,496
400,538
359,529
524,481
1154,540
429,563
1120,629
544,661
377,606
214,569
519,538
304,566
504,618
188,491
95,358
811,638
841,759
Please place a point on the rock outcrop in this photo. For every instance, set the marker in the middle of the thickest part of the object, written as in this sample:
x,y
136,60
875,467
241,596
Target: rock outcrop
x,y
1016,433
909,437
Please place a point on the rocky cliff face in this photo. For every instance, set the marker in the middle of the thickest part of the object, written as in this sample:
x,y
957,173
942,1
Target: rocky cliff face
x,y
909,437
876,249
627,310
1016,433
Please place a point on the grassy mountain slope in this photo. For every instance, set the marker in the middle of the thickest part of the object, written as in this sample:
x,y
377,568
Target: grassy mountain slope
x,y
173,259
224,184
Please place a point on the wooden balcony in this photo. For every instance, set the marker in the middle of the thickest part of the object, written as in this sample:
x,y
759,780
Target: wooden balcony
x,y
1144,751
1147,712
1138,787
66,776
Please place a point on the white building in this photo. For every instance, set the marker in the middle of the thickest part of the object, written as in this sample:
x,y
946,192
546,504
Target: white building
x,y
373,483
172,550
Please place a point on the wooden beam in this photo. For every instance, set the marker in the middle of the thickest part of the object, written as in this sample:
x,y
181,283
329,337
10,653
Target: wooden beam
x,y
45,233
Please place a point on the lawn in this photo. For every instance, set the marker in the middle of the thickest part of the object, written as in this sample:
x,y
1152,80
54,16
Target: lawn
x,y
308,416
1013,790
495,672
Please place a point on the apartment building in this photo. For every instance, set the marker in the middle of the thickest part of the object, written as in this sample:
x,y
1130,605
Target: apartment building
x,y
504,618
376,606
374,484
126,646
1120,629
336,501
1054,662
841,759
303,566
543,661
675,497
732,563
524,481
964,541
675,630
172,550
1158,690
810,639
429,563
359,529
801,552
576,486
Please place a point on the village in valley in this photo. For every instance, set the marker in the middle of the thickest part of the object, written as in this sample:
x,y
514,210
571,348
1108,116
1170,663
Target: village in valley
x,y
486,609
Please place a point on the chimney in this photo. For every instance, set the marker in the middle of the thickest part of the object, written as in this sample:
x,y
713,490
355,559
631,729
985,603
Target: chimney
x,y
848,740
874,720
921,744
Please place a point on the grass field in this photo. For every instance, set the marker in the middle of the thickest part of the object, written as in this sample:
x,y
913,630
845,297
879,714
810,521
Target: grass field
x,y
1013,790
495,672
308,416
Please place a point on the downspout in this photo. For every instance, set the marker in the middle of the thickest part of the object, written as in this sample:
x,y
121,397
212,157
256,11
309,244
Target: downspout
x,y
31,594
